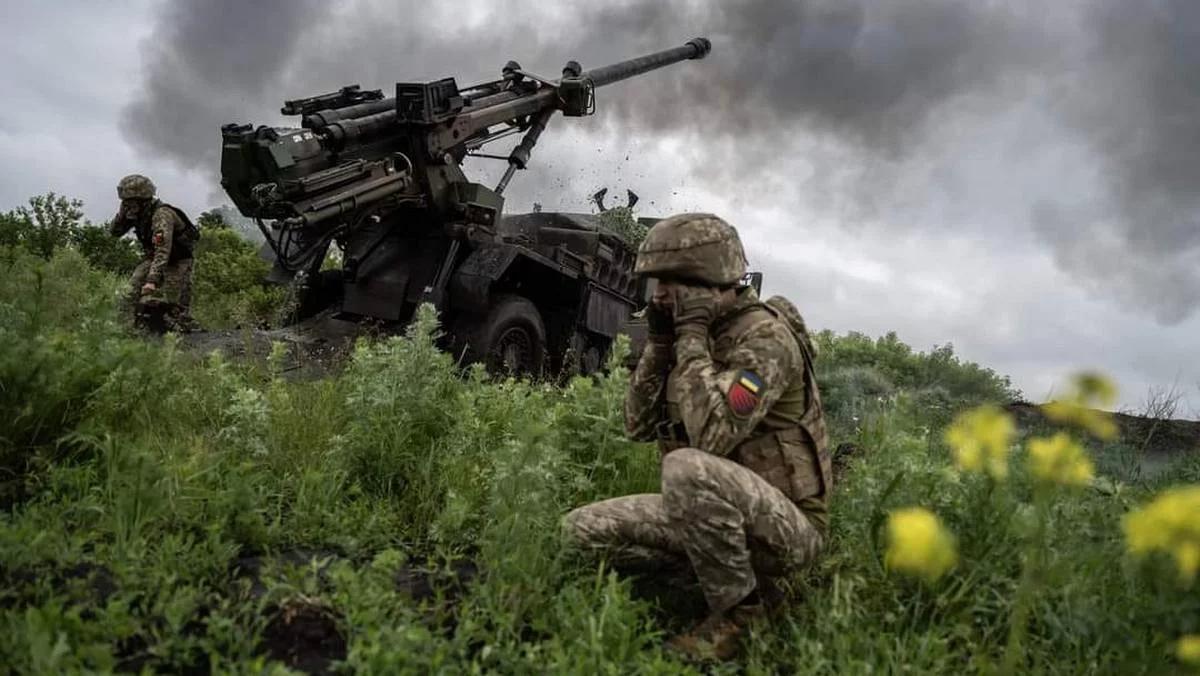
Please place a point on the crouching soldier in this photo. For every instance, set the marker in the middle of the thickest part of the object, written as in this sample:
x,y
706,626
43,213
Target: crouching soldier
x,y
163,280
726,387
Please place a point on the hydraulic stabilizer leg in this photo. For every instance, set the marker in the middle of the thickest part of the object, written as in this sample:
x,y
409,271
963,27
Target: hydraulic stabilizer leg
x,y
520,155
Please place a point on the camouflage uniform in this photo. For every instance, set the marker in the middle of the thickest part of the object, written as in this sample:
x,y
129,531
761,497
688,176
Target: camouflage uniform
x,y
734,406
163,234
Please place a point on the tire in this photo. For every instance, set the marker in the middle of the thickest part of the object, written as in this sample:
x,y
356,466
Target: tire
x,y
512,338
593,360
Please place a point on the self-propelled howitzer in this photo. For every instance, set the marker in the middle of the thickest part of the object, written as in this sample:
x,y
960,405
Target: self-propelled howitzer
x,y
381,178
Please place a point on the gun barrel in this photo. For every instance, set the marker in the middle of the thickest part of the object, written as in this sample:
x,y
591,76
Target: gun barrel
x,y
354,198
694,49
363,129
327,116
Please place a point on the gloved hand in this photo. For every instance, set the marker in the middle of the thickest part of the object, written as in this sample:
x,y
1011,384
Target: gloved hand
x,y
659,322
695,308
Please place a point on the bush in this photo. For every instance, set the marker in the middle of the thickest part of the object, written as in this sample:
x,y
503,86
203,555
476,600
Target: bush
x,y
858,375
905,368
621,222
52,222
229,287
58,327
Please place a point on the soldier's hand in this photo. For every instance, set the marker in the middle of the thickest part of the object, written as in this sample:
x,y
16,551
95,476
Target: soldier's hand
x,y
696,307
149,287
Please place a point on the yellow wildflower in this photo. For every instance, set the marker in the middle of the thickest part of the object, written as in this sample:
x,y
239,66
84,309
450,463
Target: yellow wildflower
x,y
1060,460
1088,390
1095,389
1097,423
980,440
1188,649
1169,524
919,545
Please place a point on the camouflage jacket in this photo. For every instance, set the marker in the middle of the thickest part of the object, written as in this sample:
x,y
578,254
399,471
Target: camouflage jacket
x,y
162,237
746,392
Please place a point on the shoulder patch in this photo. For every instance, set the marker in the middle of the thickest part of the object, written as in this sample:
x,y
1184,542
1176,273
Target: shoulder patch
x,y
744,394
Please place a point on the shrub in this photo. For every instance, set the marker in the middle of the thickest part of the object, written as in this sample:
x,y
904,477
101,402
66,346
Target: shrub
x,y
229,287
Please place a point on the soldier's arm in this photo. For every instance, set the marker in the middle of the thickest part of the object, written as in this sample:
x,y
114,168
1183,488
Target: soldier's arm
x,y
723,403
163,228
647,389
119,225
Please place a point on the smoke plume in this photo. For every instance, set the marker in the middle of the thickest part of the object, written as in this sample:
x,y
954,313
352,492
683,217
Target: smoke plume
x,y
210,62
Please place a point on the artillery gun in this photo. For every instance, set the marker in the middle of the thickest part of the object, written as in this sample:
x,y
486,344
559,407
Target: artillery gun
x,y
382,180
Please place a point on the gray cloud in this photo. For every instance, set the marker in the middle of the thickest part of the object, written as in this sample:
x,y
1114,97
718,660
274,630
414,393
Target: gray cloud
x,y
207,62
1135,97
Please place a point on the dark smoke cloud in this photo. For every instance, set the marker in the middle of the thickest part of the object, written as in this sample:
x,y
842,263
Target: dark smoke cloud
x,y
207,63
868,71
1138,103
878,82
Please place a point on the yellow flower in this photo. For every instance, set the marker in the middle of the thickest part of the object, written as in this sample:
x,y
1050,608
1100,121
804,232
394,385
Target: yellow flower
x,y
1060,460
1188,649
1088,390
1097,423
980,440
919,545
1169,524
1095,389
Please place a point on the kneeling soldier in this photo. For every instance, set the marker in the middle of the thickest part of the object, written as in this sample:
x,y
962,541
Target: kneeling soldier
x,y
727,388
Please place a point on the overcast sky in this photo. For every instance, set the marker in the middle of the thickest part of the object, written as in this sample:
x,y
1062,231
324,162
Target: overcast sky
x,y
1016,178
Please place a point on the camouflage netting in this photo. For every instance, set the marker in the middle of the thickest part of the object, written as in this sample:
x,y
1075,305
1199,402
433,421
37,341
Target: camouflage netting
x,y
620,221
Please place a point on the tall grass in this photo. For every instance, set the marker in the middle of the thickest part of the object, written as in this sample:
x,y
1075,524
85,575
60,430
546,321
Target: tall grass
x,y
140,481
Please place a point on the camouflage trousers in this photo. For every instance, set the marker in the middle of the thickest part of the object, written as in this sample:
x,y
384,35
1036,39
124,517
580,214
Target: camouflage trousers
x,y
713,514
176,289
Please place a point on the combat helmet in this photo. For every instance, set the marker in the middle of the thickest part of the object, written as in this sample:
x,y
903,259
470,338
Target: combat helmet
x,y
135,186
693,246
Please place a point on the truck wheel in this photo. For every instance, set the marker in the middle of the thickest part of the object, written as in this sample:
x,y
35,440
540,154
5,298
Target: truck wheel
x,y
513,338
592,360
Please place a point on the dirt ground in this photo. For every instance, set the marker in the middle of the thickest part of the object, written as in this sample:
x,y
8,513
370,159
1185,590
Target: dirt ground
x,y
1158,442
315,347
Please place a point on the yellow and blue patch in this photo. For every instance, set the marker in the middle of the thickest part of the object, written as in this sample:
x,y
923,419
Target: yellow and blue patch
x,y
744,394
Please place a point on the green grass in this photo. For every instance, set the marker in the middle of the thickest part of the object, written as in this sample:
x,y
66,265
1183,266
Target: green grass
x,y
137,481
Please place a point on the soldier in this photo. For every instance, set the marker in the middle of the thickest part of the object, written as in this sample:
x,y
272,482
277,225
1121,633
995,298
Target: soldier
x,y
167,237
726,386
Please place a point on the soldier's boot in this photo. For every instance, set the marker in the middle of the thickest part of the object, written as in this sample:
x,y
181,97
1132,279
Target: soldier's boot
x,y
718,637
770,594
129,309
143,316
187,324
180,321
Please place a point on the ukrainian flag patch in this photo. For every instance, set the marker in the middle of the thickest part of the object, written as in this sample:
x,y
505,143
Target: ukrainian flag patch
x,y
744,393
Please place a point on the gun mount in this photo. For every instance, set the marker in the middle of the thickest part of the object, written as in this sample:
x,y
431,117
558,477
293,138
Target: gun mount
x,y
381,178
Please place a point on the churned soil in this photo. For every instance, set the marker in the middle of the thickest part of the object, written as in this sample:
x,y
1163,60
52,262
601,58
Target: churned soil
x,y
304,632
315,348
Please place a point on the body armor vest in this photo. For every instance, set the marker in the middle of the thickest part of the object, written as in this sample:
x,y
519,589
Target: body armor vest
x,y
183,239
789,447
